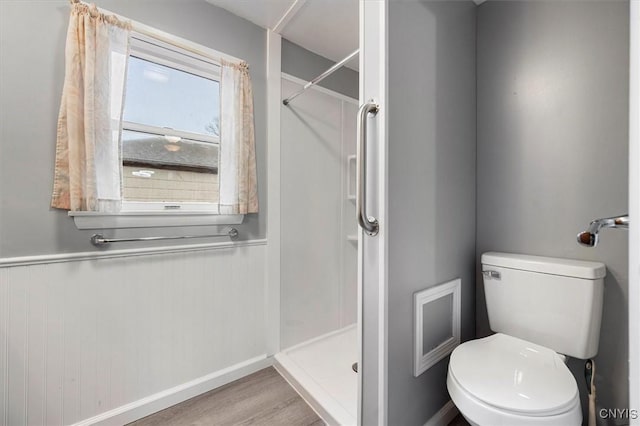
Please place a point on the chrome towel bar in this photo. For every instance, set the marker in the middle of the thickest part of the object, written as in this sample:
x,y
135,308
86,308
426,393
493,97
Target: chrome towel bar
x,y
100,240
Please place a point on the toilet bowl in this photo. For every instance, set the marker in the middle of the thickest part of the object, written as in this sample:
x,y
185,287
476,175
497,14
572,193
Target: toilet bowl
x,y
503,380
540,308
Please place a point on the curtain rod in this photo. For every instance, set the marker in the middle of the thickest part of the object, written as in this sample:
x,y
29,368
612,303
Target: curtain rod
x,y
322,76
165,37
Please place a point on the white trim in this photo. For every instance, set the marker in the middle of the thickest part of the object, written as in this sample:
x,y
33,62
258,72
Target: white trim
x,y
383,181
151,219
373,251
274,90
421,361
290,13
320,89
373,258
634,210
384,207
444,416
8,262
164,399
158,49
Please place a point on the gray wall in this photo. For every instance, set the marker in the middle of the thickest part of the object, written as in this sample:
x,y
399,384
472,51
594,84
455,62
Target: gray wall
x,y
552,149
304,64
32,36
432,170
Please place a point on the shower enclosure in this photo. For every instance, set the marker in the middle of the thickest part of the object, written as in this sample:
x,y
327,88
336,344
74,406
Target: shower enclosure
x,y
319,249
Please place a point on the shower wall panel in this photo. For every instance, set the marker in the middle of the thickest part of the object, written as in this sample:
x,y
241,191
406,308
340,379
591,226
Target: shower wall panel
x,y
318,269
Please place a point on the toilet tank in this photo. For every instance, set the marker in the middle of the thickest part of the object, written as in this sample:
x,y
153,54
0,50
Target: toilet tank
x,y
556,303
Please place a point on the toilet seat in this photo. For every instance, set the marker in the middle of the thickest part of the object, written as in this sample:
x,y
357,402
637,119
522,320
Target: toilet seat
x,y
477,413
505,380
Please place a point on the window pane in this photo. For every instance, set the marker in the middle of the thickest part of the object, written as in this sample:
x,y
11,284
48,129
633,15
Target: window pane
x,y
164,169
169,152
161,96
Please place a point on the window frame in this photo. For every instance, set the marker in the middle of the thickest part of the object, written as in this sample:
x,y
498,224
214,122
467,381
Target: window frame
x,y
157,52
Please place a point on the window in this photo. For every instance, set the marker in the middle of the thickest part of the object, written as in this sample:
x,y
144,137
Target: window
x,y
160,142
170,130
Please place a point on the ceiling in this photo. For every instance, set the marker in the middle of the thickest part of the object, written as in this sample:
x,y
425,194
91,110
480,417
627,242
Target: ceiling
x,y
326,27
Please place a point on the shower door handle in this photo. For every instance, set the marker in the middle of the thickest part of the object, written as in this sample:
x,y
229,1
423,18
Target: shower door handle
x,y
368,223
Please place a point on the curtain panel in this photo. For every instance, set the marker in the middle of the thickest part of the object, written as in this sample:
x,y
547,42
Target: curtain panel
x,y
88,167
238,180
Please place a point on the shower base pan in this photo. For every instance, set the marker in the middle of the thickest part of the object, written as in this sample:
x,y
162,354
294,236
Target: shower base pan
x,y
320,370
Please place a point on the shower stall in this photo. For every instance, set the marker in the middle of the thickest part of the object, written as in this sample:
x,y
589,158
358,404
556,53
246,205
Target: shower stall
x,y
319,244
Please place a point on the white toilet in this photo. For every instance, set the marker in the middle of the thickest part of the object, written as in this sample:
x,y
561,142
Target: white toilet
x,y
542,310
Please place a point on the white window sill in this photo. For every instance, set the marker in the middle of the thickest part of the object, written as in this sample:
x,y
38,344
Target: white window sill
x,y
96,220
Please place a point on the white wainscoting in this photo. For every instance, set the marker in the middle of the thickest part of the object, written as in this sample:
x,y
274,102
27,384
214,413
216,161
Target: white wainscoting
x,y
81,338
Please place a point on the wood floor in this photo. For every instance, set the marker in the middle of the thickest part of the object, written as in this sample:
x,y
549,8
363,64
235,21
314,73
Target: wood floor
x,y
263,398
459,421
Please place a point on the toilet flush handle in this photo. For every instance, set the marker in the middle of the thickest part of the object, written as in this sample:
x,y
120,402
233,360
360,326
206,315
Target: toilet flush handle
x,y
491,275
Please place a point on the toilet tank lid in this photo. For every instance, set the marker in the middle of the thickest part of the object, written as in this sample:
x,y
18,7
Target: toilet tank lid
x,y
546,265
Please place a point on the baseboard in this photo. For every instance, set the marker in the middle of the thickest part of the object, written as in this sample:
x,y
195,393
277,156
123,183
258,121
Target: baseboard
x,y
165,399
444,416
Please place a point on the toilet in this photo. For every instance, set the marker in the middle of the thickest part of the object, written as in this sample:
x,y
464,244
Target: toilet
x,y
542,310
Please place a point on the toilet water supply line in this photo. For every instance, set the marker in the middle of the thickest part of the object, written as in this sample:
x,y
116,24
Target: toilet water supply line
x,y
590,376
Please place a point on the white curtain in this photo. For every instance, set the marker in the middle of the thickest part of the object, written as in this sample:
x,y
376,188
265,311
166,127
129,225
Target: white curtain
x,y
238,182
88,167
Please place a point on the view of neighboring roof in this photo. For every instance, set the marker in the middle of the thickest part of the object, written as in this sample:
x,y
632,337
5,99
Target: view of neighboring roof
x,y
158,152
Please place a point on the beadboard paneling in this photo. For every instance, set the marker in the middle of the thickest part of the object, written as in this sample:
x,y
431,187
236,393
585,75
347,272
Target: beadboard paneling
x,y
84,337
